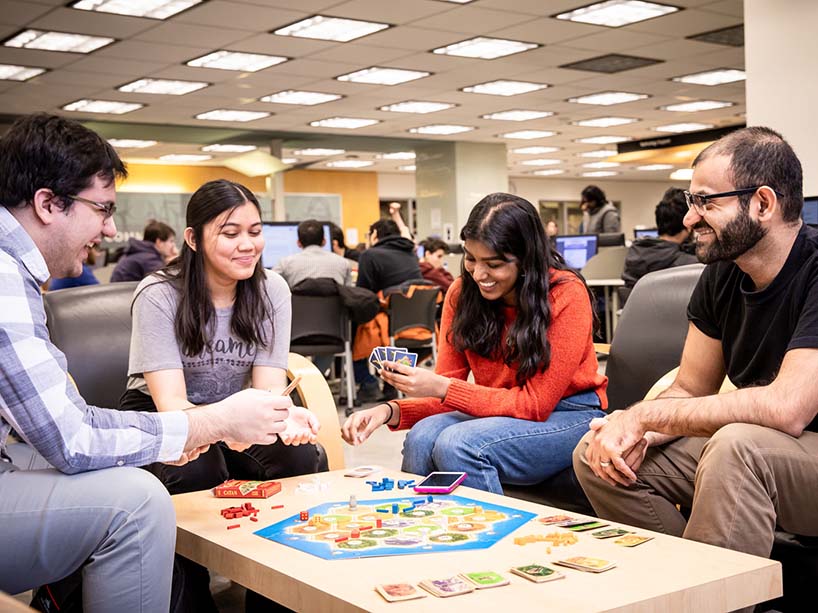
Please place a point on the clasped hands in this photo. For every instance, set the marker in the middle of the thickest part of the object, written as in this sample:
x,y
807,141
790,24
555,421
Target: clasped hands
x,y
616,447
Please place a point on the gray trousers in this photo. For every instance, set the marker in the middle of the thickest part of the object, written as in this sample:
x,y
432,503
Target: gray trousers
x,y
741,483
117,524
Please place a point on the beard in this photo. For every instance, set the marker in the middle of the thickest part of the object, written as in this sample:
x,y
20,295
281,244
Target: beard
x,y
740,235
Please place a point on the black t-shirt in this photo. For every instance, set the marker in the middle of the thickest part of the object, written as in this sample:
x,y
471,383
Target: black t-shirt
x,y
756,328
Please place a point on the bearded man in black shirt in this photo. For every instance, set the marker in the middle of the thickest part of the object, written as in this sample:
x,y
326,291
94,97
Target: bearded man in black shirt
x,y
747,460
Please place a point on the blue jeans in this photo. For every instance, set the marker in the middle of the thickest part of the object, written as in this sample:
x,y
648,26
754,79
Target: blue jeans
x,y
495,450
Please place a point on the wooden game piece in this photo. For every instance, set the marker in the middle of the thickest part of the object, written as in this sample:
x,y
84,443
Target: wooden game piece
x,y
353,503
233,526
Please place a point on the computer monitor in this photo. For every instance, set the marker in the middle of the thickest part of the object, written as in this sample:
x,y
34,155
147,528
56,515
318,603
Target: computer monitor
x,y
577,249
611,239
281,240
645,233
810,211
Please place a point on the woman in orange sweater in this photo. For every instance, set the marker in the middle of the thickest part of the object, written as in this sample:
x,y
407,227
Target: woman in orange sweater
x,y
521,323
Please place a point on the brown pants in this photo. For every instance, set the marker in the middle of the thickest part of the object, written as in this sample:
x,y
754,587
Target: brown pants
x,y
741,483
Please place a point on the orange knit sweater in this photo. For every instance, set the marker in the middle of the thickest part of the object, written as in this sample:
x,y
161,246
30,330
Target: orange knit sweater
x,y
573,367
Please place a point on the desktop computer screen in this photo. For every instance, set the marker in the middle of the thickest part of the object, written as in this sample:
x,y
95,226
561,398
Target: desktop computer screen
x,y
578,249
810,211
281,240
645,233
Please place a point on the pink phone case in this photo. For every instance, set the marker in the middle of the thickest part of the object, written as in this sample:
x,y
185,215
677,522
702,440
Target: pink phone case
x,y
436,489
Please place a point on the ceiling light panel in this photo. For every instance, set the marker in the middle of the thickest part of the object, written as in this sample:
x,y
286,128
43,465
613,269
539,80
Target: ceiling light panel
x,y
349,164
534,150
232,115
346,123
235,60
229,148
162,86
485,48
57,41
597,153
131,143
548,172
102,106
540,162
713,77
605,122
336,29
600,173
441,129
683,127
154,9
398,155
611,63
416,106
528,134
407,167
602,140
12,72
601,165
517,115
649,167
608,98
504,88
697,105
377,75
617,13
319,152
682,174
183,158
305,98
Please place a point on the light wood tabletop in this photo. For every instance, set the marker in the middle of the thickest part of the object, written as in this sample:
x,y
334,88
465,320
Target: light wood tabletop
x,y
664,574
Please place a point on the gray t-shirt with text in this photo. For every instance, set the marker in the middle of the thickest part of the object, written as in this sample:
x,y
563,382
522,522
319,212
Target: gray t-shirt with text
x,y
221,369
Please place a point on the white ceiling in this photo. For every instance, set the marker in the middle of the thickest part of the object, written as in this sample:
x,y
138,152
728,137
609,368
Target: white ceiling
x,y
151,48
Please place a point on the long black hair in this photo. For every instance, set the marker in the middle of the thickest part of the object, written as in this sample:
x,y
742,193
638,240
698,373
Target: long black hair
x,y
510,226
195,314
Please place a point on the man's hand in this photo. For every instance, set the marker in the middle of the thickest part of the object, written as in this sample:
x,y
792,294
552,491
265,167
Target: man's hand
x,y
617,447
189,456
302,427
361,424
415,382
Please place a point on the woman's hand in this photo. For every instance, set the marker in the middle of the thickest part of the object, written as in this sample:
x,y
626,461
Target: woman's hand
x,y
415,382
361,424
302,427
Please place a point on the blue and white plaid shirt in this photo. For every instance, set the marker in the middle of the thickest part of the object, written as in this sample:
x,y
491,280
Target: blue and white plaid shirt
x,y
37,398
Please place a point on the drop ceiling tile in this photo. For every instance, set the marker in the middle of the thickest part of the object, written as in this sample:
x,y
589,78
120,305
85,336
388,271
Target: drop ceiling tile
x,y
36,57
152,52
365,55
90,22
390,12
241,16
193,35
472,20
684,23
616,40
410,37
287,46
21,13
546,31
125,68
727,7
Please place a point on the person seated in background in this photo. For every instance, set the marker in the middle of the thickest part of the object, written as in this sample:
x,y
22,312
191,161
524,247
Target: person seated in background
x,y
90,510
313,261
388,262
431,264
649,254
598,215
205,327
156,249
86,277
521,323
745,462
339,246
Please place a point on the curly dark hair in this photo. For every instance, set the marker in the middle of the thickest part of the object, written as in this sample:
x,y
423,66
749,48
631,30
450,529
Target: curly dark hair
x,y
510,226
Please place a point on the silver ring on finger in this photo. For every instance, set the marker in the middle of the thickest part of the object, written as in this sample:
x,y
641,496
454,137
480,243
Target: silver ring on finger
x,y
604,464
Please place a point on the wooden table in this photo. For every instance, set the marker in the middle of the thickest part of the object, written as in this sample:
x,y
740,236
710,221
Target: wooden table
x,y
665,574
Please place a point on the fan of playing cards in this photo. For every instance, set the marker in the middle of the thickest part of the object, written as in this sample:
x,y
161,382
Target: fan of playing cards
x,y
392,354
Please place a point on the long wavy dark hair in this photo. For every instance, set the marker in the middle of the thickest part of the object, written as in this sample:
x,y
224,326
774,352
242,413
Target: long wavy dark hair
x,y
195,315
510,226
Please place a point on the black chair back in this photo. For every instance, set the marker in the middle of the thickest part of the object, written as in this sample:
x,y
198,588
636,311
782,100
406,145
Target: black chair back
x,y
91,325
416,311
651,333
320,325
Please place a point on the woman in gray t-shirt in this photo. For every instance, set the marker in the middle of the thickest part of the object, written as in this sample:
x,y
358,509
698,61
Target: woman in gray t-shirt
x,y
211,323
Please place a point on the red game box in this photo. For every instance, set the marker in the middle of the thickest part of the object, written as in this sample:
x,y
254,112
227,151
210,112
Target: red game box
x,y
234,488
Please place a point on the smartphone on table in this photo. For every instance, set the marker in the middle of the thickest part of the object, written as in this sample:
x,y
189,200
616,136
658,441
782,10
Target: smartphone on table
x,y
439,483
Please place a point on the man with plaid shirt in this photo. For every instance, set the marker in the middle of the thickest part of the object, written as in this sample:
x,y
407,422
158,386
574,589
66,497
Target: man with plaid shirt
x,y
90,509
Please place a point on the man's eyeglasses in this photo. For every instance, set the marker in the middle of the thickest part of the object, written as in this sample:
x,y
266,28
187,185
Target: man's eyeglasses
x,y
108,208
701,202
